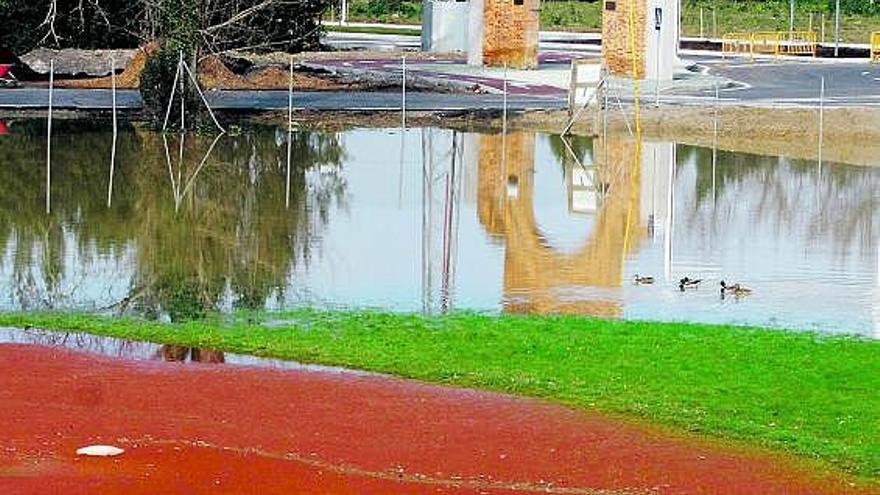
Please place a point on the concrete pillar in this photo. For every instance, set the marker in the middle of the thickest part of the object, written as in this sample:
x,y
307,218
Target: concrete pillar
x,y
475,33
445,25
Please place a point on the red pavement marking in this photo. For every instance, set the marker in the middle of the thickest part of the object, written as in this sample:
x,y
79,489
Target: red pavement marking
x,y
226,429
394,66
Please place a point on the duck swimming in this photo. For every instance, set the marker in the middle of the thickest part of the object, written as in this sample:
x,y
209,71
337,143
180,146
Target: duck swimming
x,y
688,283
735,289
640,280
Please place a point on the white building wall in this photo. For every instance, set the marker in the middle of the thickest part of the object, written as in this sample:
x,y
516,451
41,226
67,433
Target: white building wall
x,y
445,26
475,33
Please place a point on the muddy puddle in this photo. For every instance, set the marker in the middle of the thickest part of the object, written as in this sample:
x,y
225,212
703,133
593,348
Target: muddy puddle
x,y
433,220
147,351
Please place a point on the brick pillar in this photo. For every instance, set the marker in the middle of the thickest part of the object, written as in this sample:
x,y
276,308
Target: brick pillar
x,y
509,33
617,39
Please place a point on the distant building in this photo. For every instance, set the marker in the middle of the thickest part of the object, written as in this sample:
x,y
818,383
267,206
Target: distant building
x,y
496,33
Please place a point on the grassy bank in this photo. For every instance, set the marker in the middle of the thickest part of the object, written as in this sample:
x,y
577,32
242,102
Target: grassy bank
x,y
718,17
810,395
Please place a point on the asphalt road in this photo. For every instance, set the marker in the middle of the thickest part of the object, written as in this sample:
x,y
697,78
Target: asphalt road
x,y
35,98
799,83
784,82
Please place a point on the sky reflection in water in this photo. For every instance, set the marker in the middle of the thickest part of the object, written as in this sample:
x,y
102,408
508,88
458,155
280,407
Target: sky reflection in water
x,y
435,220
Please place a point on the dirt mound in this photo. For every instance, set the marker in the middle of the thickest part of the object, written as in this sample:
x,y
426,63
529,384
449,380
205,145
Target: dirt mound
x,y
130,77
215,75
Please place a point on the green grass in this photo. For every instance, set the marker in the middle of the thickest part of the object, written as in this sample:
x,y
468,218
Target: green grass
x,y
373,30
719,17
812,395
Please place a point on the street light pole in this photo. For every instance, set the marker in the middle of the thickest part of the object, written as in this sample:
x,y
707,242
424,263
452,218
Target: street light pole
x,y
791,17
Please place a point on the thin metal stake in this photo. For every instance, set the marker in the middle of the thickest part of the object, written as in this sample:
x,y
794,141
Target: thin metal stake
x,y
195,82
837,29
182,98
403,93
171,98
714,23
701,23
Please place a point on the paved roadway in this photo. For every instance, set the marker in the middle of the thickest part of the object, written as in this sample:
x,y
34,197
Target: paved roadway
x,y
35,98
798,83
786,82
793,82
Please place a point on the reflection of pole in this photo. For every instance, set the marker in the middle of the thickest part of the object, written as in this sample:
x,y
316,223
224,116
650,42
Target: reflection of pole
x,y
821,121
49,138
504,104
289,135
448,214
426,173
402,130
715,141
667,251
115,132
503,177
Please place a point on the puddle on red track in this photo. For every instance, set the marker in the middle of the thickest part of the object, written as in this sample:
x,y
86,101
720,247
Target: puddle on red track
x,y
250,429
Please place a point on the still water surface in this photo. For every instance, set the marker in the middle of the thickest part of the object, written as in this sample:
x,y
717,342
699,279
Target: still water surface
x,y
434,220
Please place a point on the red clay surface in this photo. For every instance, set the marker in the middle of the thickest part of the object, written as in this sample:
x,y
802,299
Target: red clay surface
x,y
225,429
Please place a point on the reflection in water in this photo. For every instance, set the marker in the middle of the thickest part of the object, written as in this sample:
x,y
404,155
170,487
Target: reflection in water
x,y
535,273
526,223
215,234
179,354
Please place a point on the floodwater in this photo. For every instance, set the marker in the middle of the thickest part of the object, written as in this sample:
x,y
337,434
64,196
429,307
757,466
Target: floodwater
x,y
433,220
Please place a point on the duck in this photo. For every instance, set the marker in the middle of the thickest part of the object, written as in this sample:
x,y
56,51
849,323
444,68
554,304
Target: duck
x,y
688,283
735,289
640,280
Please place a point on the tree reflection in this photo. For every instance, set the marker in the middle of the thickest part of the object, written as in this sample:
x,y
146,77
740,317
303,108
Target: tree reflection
x,y
838,201
230,240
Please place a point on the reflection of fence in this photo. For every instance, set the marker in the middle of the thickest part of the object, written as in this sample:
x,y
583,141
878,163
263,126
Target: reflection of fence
x,y
875,46
770,43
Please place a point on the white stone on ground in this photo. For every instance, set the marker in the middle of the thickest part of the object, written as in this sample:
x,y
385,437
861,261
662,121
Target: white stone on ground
x,y
99,451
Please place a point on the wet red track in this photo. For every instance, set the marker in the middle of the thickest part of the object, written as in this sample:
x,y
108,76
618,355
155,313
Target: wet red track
x,y
226,429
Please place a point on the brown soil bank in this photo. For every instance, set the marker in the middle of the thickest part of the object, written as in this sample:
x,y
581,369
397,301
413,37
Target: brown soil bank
x,y
213,74
851,135
225,429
